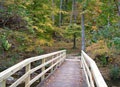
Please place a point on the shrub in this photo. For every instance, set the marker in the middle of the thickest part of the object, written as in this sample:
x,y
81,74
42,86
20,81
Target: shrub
x,y
103,61
39,50
116,43
5,44
114,72
61,48
98,49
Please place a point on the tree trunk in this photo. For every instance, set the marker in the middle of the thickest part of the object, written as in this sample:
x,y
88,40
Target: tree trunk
x,y
53,17
74,41
108,21
73,14
1,4
118,8
117,3
83,31
75,11
66,1
60,16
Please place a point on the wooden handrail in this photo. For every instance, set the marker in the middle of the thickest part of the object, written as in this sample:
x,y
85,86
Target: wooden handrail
x,y
93,76
57,58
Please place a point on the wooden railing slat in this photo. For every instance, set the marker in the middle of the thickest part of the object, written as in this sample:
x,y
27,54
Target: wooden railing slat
x,y
20,80
99,81
40,75
27,64
89,74
85,72
42,65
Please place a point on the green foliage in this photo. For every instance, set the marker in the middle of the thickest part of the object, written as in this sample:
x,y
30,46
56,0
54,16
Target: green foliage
x,y
5,44
103,61
10,62
110,34
62,48
39,50
116,42
20,39
72,29
114,72
98,49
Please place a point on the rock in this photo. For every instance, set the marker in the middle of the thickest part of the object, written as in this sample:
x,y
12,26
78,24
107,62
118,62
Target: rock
x,y
20,73
33,75
10,80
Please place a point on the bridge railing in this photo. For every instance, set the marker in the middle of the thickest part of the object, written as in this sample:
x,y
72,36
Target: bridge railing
x,y
54,59
92,73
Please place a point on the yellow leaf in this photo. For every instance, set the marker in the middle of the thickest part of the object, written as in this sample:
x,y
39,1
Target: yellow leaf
x,y
94,27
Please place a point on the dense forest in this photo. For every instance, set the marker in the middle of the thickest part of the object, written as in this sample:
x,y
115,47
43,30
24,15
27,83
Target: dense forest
x,y
34,27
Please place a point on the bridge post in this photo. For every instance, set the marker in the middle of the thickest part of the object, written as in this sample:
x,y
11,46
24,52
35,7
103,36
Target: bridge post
x,y
63,57
60,54
59,59
52,64
81,65
43,68
27,69
3,84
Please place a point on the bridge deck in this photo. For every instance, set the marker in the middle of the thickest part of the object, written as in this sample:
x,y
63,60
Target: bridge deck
x,y
69,74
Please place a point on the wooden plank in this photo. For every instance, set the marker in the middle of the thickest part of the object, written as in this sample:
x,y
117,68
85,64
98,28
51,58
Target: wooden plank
x,y
45,55
68,74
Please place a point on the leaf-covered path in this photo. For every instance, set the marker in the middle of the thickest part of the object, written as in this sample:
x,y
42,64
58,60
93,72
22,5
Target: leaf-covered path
x,y
69,74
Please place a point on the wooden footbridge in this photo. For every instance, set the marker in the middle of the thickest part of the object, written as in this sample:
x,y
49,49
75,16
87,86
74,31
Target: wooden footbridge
x,y
54,70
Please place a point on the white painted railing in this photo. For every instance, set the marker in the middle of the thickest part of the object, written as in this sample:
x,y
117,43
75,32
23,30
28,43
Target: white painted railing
x,y
92,73
55,59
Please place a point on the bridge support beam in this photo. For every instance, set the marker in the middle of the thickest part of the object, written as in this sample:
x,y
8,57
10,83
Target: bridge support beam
x,y
43,68
28,67
3,84
51,65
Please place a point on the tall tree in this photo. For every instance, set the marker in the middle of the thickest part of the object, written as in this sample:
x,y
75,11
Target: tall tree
x,y
73,12
83,30
75,15
53,17
1,4
60,15
117,2
73,31
119,7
